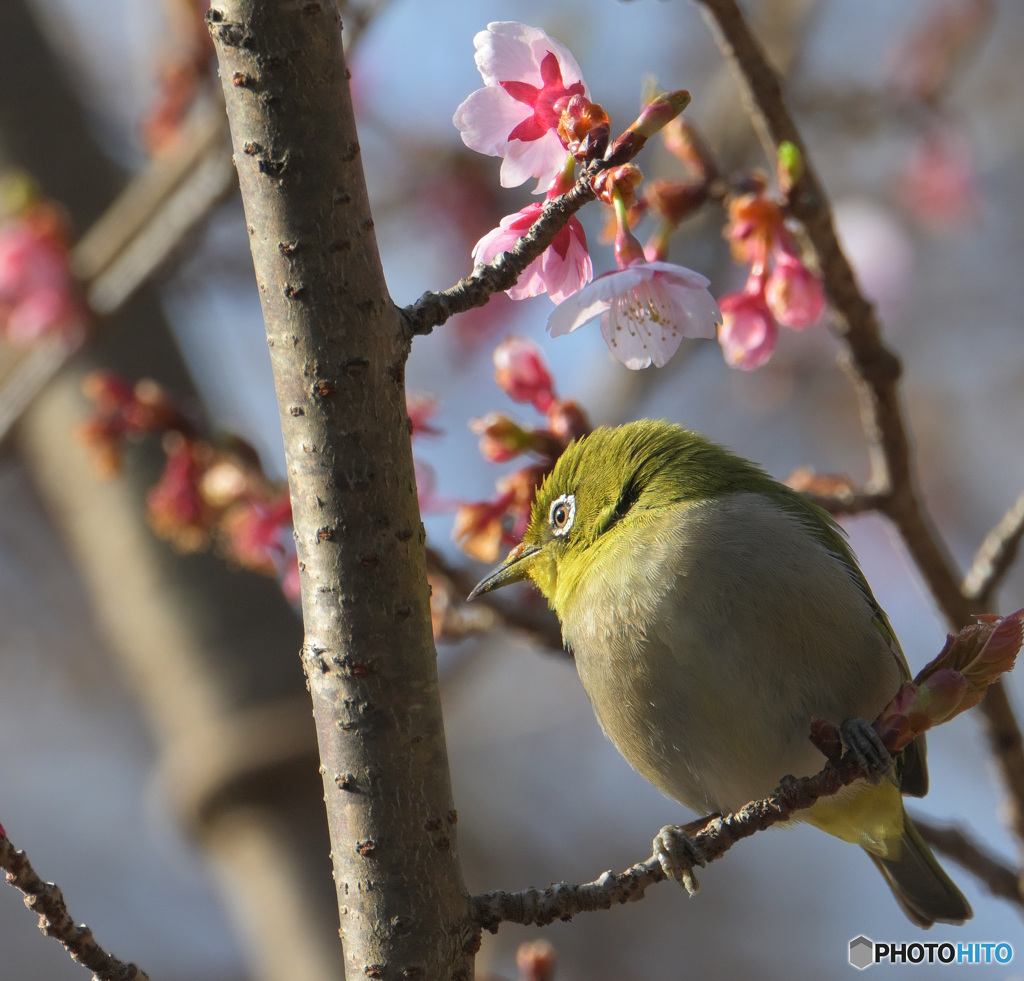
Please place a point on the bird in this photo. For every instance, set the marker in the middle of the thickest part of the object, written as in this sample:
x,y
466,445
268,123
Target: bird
x,y
712,613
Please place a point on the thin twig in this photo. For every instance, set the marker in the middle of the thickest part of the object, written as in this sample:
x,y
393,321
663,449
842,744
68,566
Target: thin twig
x,y
875,371
995,556
718,834
433,309
55,921
1000,878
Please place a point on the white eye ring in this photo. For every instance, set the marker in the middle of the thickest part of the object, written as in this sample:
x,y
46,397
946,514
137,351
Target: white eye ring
x,y
565,509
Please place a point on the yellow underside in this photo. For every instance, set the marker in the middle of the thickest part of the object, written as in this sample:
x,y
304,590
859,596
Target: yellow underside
x,y
864,815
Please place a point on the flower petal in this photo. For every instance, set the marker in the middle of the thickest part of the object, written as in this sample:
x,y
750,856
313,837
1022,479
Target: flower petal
x,y
485,119
590,302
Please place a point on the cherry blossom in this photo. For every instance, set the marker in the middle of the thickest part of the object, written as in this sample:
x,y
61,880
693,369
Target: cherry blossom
x,y
794,294
749,332
38,297
646,310
560,270
521,373
528,80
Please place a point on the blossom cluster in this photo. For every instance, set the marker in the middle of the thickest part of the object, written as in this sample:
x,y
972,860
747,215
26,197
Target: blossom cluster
x,y
212,495
208,495
535,112
482,528
39,297
780,289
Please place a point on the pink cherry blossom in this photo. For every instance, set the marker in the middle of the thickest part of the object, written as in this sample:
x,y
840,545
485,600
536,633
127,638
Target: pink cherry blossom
x,y
528,79
561,269
749,332
521,373
646,310
794,294
37,293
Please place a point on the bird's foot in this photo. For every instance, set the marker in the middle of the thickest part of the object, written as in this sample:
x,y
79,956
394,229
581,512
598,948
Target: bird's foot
x,y
868,749
678,853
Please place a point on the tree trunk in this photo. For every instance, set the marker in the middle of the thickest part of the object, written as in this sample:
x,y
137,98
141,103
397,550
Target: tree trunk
x,y
339,351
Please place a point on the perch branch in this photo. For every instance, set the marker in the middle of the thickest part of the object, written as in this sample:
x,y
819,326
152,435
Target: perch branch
x,y
55,921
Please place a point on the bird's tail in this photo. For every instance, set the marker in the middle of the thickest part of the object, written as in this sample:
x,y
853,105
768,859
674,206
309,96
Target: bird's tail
x,y
925,893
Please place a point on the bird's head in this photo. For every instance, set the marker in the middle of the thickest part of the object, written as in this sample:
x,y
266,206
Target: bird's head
x,y
603,482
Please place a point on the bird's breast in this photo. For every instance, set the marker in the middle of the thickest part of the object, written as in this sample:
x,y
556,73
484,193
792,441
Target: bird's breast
x,y
709,635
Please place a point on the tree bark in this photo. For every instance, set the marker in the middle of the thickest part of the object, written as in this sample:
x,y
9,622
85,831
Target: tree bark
x,y
339,349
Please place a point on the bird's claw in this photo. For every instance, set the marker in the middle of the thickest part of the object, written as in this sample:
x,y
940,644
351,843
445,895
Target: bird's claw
x,y
867,747
677,854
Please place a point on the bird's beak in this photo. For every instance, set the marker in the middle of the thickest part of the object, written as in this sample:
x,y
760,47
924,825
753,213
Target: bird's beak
x,y
514,569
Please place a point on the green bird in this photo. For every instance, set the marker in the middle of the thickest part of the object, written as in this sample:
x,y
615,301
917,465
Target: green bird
x,y
712,613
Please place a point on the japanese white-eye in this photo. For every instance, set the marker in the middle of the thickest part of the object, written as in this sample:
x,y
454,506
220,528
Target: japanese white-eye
x,y
712,613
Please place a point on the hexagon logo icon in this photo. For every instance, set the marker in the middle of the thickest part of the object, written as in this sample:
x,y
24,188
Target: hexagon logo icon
x,y
862,952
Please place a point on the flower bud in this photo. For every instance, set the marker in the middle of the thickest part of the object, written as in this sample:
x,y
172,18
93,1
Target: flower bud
x,y
748,332
660,111
584,128
567,421
501,438
675,200
535,961
520,372
794,294
623,180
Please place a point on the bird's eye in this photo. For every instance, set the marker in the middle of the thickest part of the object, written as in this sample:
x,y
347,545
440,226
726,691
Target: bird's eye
x,y
563,511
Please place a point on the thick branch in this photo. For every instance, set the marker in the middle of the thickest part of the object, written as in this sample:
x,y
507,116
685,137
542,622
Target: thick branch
x,y
875,371
55,921
433,309
338,348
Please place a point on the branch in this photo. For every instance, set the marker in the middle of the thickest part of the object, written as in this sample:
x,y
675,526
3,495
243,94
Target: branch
x,y
837,494
433,309
715,837
875,371
995,556
1001,879
55,921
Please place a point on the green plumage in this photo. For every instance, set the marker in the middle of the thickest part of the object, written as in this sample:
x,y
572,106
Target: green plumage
x,y
712,612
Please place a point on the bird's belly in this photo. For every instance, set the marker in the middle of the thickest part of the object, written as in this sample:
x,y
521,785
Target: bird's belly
x,y
709,651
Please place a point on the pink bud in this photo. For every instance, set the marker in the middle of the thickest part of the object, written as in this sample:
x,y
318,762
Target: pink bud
x,y
520,371
794,294
501,438
535,961
748,333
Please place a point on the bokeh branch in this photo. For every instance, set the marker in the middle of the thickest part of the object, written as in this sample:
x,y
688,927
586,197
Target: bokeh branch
x,y
996,875
995,556
132,239
875,371
55,921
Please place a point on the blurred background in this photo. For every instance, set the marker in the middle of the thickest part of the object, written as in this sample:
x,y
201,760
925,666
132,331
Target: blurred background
x,y
157,755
